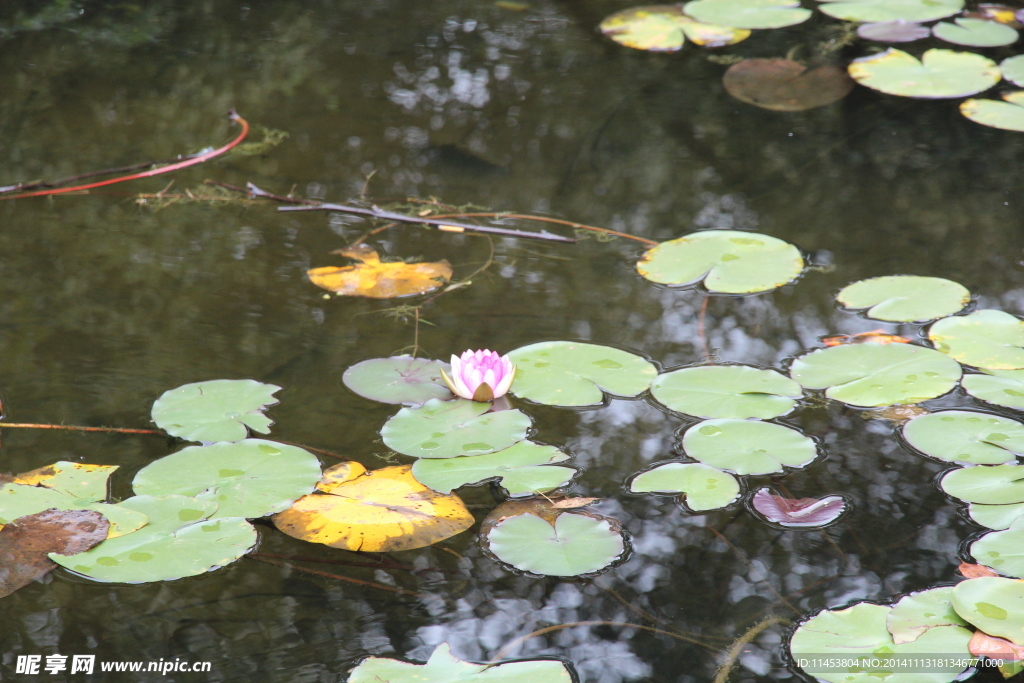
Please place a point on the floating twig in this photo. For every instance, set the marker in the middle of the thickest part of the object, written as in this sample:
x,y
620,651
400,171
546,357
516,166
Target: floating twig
x,y
444,225
75,428
546,219
191,161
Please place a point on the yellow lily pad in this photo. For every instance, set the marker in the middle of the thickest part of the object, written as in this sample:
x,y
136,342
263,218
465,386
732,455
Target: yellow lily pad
x,y
370,277
73,478
664,28
376,511
1008,115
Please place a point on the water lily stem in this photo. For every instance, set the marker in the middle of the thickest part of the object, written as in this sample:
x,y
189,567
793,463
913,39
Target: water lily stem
x,y
190,161
737,648
701,331
507,648
349,579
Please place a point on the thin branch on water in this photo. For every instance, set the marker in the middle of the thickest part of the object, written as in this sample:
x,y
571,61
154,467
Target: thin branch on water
x,y
737,648
76,428
315,450
646,615
443,225
191,161
150,432
328,575
546,219
383,563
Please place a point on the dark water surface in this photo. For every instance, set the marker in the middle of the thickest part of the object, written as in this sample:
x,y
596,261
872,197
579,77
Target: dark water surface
x,y
106,302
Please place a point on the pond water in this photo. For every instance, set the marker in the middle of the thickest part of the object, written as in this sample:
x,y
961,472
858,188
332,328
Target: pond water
x,y
107,302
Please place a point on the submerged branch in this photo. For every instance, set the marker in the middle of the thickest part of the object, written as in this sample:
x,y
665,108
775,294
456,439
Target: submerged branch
x,y
191,161
328,575
557,627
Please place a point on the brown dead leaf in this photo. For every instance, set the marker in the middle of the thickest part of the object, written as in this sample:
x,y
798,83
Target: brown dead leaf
x,y
370,277
975,571
568,503
25,543
785,85
984,645
545,508
899,414
874,336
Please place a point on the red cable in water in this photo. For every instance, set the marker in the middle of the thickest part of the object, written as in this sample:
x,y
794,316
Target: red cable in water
x,y
147,174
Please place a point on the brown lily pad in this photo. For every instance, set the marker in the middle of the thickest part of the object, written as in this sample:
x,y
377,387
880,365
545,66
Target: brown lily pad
x,y
26,542
785,85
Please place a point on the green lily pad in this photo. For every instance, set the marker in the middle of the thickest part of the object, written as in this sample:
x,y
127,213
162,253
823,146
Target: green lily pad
x,y
445,429
918,612
992,485
1007,115
891,10
733,391
996,517
250,478
748,13
562,373
576,544
19,500
664,28
1013,70
966,436
872,375
1004,552
993,604
179,541
975,32
748,446
987,339
399,379
522,468
728,261
860,631
444,667
999,387
939,73
703,487
905,298
217,410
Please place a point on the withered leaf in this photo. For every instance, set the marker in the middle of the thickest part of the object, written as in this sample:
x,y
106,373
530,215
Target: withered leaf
x,y
370,277
25,543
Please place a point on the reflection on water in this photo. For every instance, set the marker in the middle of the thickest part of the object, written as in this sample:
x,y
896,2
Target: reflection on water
x,y
107,303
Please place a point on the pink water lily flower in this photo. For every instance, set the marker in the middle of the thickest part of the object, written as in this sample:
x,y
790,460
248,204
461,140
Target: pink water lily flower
x,y
480,375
